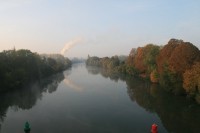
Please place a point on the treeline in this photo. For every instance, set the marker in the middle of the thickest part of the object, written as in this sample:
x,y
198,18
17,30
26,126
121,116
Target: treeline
x,y
114,64
19,67
175,65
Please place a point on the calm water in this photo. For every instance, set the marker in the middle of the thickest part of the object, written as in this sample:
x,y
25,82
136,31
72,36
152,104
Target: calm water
x,y
91,100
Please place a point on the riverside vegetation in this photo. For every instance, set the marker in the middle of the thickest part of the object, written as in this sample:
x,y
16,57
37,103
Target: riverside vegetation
x,y
20,67
175,66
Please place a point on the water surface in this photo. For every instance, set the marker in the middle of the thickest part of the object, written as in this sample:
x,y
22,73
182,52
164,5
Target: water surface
x,y
89,99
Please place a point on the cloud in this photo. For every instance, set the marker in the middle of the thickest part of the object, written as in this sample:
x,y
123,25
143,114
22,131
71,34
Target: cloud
x,y
70,44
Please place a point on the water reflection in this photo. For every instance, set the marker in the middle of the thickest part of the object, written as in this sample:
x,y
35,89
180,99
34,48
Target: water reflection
x,y
25,98
106,73
72,85
178,114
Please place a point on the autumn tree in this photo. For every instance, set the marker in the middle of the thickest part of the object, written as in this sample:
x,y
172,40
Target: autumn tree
x,y
165,54
130,59
174,59
183,57
144,59
191,81
139,60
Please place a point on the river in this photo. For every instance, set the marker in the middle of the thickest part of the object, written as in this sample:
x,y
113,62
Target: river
x,y
91,100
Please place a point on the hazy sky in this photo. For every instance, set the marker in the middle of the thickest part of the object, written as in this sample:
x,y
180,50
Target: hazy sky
x,y
106,27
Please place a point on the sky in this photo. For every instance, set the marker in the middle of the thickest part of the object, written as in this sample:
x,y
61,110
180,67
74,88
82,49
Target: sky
x,y
101,28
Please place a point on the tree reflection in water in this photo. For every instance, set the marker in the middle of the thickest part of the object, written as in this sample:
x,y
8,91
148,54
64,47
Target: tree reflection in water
x,y
178,114
26,98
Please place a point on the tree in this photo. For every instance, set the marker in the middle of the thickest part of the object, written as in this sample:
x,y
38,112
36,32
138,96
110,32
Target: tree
x,y
151,52
130,59
18,68
174,59
139,60
144,58
191,80
164,55
183,57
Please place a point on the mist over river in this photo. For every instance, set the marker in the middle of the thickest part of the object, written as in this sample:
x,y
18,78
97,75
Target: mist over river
x,y
91,100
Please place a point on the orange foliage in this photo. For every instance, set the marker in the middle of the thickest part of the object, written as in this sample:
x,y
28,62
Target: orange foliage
x,y
130,60
143,59
183,57
191,79
165,54
178,56
138,60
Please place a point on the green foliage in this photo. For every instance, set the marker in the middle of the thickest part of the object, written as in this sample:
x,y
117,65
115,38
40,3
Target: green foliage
x,y
93,61
151,51
144,59
18,68
131,70
113,65
108,63
154,76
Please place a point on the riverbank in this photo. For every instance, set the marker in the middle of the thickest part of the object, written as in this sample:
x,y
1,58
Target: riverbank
x,y
175,66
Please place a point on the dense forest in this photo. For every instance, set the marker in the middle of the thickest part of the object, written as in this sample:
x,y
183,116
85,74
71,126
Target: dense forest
x,y
20,67
175,66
